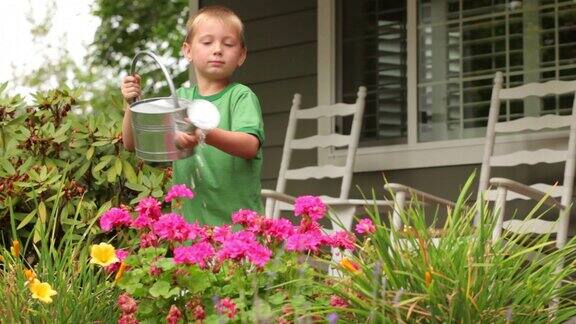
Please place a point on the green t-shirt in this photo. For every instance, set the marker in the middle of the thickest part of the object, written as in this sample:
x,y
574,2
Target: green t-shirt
x,y
223,183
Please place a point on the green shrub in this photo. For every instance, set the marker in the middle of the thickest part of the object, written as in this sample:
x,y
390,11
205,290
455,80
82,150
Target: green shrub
x,y
51,142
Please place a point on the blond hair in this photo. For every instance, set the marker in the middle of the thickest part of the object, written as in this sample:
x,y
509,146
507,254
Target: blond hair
x,y
221,13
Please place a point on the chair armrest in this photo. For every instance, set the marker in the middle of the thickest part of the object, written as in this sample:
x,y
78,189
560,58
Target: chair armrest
x,y
525,190
420,195
267,193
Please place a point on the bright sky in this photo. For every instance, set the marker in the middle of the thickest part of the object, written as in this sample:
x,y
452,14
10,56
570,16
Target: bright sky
x,y
72,24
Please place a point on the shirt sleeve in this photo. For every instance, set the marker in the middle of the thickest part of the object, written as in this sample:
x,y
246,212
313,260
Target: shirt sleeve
x,y
247,116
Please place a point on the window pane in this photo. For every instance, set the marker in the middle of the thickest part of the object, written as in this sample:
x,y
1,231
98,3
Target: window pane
x,y
461,44
372,53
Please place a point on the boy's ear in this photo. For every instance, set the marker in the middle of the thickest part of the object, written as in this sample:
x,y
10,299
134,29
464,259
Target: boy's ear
x,y
186,51
242,57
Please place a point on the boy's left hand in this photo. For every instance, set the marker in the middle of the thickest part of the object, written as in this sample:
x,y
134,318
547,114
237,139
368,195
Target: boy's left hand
x,y
185,140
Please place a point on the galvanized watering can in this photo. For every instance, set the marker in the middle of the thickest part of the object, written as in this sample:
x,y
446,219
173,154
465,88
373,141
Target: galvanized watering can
x,y
156,121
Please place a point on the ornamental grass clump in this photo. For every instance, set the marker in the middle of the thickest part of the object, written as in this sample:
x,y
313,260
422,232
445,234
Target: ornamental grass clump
x,y
253,270
51,281
412,274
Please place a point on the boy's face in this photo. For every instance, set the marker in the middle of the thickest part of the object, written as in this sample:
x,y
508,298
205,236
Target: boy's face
x,y
215,50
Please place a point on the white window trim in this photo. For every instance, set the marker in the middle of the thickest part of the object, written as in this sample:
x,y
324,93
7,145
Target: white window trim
x,y
413,154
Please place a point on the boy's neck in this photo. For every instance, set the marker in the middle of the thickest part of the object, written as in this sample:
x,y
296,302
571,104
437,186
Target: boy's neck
x,y
208,87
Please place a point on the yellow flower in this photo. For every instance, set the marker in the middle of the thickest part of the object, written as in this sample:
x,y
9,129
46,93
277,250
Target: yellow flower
x,y
103,254
428,278
1,258
15,248
30,275
350,266
120,272
42,291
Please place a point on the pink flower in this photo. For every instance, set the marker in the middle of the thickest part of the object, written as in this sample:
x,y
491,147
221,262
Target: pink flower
x,y
179,191
337,301
227,306
343,239
245,217
301,242
174,315
172,227
196,231
365,226
235,247
115,217
198,253
142,221
243,244
280,229
128,319
148,240
258,254
155,271
121,254
222,233
311,206
199,313
127,304
149,207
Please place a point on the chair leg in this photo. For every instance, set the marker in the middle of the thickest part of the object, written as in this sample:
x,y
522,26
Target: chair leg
x,y
342,217
399,203
499,209
269,209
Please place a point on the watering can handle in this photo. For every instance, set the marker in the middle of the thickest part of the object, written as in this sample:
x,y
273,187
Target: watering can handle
x,y
162,67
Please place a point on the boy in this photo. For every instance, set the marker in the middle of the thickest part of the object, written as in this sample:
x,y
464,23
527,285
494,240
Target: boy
x,y
225,173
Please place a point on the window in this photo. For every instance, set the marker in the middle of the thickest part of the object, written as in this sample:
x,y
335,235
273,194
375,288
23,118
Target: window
x,y
373,54
463,43
429,65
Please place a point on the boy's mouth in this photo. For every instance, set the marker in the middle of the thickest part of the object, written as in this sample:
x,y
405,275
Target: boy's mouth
x,y
216,62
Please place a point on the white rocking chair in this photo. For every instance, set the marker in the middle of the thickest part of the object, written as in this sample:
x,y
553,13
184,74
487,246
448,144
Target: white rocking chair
x,y
341,208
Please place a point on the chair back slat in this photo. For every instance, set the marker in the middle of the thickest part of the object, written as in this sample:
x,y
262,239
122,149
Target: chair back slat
x,y
538,226
339,109
528,157
554,87
552,191
534,123
316,172
321,141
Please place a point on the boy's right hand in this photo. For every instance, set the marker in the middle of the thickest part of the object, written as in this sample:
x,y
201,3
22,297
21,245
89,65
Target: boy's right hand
x,y
131,88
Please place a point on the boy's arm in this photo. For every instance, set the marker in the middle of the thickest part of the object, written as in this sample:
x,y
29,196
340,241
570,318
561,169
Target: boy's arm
x,y
127,137
239,144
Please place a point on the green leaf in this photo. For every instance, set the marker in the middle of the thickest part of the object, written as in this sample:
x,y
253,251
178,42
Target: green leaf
x,y
277,299
111,175
166,264
82,170
7,166
118,166
27,219
129,172
101,165
135,186
42,212
160,288
90,152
